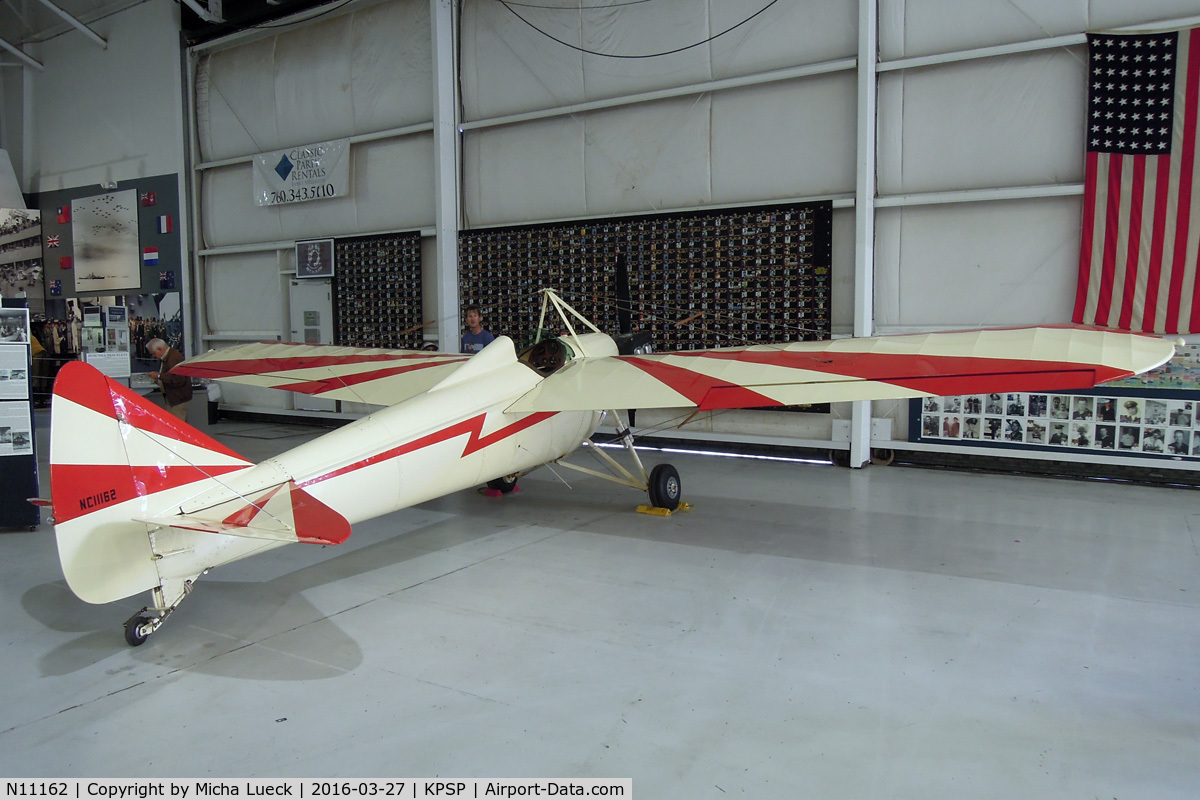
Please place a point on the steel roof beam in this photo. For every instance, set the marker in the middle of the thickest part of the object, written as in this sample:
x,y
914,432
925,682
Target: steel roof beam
x,y
84,29
16,51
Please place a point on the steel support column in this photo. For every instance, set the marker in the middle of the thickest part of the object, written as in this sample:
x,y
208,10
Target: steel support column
x,y
445,172
864,214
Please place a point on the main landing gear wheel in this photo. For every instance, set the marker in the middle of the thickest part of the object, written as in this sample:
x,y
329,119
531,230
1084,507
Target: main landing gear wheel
x,y
664,487
138,629
503,485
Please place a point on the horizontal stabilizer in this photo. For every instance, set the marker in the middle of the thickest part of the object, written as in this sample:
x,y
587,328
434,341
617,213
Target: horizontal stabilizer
x,y
283,513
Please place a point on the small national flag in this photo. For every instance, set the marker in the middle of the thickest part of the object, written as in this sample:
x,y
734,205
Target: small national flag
x,y
149,198
65,262
166,279
52,241
1141,208
56,288
64,215
164,224
150,256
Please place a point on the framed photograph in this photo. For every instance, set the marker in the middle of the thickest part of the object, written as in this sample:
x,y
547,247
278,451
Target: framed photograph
x,y
314,258
14,325
105,233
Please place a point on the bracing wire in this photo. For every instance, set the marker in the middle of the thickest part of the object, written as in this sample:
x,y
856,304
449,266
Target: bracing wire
x,y
508,5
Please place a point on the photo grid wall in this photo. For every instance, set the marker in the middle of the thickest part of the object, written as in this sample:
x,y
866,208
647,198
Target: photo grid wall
x,y
697,279
1111,422
377,291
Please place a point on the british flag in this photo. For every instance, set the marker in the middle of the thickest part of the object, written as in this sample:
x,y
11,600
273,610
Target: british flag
x,y
52,241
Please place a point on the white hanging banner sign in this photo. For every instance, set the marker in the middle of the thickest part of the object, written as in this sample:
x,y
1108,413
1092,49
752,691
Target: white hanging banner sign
x,y
308,172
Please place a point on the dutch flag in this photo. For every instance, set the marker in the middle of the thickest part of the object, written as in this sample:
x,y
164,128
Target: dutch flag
x,y
150,256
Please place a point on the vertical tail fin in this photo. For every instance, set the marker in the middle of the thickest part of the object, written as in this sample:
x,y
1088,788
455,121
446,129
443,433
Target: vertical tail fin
x,y
115,457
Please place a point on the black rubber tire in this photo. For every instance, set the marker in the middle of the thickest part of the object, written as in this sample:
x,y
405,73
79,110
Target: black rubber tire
x,y
665,488
133,637
503,485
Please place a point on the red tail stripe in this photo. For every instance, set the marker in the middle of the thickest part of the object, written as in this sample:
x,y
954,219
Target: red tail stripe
x,y
83,384
80,489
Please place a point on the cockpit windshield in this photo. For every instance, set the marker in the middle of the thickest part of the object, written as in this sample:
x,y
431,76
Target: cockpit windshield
x,y
547,356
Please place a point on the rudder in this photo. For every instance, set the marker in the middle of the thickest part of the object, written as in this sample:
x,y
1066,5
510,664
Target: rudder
x,y
115,457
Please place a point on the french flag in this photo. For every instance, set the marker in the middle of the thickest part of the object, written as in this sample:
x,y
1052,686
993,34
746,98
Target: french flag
x,y
150,256
165,225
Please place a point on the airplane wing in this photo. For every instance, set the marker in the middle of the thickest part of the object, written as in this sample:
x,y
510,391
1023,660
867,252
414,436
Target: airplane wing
x,y
969,362
358,374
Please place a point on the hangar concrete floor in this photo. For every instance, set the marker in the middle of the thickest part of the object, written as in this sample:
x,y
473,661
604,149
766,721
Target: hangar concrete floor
x,y
807,631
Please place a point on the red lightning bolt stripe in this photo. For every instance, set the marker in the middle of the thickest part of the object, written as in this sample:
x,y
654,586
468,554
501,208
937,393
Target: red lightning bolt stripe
x,y
475,442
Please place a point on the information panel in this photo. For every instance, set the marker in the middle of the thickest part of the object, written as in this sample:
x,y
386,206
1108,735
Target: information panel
x,y
18,458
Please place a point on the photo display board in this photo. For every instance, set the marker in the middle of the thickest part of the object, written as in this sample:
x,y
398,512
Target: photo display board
x,y
1153,415
1120,421
18,455
377,291
697,280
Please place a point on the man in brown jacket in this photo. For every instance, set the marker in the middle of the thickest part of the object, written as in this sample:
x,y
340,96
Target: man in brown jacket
x,y
176,389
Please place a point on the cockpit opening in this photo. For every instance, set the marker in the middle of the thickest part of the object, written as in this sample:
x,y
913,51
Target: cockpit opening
x,y
547,356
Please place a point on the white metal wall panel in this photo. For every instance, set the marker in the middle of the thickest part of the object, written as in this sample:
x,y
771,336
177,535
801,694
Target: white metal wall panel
x,y
790,139
243,292
926,27
786,35
1117,13
235,100
98,115
645,29
649,157
507,67
313,101
392,182
391,66
353,74
977,264
524,172
1007,121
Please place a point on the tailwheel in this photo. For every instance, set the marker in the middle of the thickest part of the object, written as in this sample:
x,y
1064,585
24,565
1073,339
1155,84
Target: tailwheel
x,y
138,629
503,485
664,487
145,622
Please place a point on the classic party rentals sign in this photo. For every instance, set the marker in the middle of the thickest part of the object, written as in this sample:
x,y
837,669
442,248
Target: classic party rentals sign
x,y
307,172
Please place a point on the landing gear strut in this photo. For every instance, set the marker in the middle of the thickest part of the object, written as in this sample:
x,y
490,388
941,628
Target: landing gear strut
x,y
661,483
504,485
145,622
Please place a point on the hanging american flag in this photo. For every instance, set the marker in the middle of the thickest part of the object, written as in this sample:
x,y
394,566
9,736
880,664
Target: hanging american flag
x,y
1141,224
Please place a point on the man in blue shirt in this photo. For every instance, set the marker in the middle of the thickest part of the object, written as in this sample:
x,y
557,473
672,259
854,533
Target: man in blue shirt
x,y
476,338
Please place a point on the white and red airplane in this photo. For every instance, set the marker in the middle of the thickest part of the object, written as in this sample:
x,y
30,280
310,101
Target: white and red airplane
x,y
144,502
